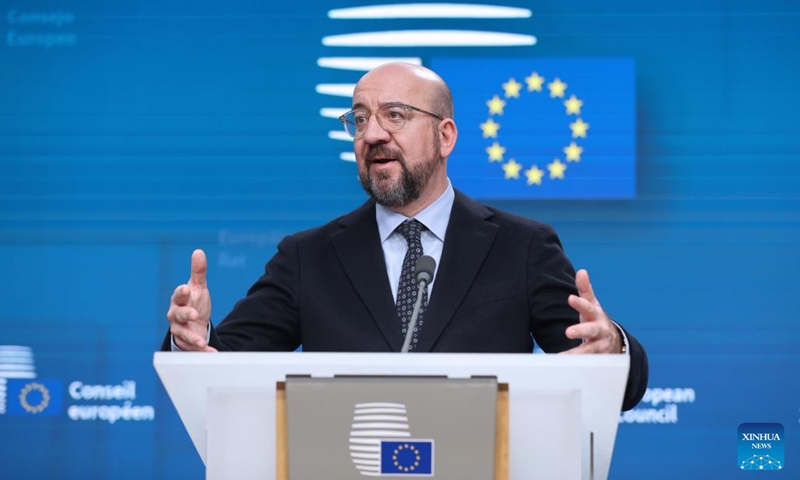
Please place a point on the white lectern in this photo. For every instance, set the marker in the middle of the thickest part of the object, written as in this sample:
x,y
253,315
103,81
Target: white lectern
x,y
563,409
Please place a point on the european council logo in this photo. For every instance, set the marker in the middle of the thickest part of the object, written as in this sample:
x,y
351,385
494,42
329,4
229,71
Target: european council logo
x,y
20,392
543,128
381,443
760,446
34,397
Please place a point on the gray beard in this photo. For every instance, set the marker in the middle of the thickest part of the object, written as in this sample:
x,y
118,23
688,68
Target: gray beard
x,y
390,193
394,194
410,185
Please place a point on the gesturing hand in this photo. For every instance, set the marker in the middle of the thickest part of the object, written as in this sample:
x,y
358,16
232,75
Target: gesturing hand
x,y
190,308
599,333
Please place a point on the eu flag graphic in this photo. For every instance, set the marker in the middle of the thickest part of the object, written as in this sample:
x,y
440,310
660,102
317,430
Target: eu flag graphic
x,y
34,397
409,457
543,128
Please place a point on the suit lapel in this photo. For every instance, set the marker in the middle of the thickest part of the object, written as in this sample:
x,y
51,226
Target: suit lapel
x,y
358,246
467,242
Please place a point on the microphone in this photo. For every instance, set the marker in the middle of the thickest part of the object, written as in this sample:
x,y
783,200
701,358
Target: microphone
x,y
426,265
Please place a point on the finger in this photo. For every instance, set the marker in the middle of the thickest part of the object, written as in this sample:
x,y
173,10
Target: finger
x,y
585,331
588,311
181,295
182,315
199,267
186,339
209,349
584,286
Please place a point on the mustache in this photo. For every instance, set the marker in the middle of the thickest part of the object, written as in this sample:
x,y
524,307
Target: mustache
x,y
382,151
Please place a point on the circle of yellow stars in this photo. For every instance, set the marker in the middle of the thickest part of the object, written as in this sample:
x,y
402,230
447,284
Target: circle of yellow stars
x,y
43,403
496,151
414,451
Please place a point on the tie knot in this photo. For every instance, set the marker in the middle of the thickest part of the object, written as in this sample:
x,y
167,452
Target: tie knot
x,y
411,231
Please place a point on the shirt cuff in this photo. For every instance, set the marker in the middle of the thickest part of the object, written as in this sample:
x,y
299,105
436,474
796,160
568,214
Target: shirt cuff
x,y
625,344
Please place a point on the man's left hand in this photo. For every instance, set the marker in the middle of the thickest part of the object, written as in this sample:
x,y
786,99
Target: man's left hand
x,y
599,333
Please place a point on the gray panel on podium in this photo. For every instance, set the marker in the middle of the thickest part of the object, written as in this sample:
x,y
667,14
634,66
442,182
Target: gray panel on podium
x,y
357,427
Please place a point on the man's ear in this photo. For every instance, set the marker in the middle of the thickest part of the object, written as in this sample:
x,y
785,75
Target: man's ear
x,y
448,134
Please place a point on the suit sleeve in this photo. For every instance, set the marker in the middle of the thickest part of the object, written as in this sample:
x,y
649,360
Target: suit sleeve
x,y
267,319
551,281
638,375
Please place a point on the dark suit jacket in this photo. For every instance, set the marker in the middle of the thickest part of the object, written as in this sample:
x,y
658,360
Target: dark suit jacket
x,y
501,280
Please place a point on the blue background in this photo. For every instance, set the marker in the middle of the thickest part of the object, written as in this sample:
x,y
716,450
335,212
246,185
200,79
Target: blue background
x,y
174,125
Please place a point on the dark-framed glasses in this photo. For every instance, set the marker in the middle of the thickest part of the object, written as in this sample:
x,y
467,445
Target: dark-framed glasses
x,y
392,117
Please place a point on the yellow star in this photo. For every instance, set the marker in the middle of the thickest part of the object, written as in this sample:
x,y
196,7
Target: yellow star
x,y
512,169
496,152
534,82
579,128
490,129
573,105
573,152
534,175
496,105
557,169
557,88
512,88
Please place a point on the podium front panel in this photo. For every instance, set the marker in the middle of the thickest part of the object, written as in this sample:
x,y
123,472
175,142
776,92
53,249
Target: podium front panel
x,y
358,427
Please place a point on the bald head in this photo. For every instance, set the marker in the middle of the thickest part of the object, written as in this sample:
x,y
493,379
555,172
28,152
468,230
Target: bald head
x,y
409,81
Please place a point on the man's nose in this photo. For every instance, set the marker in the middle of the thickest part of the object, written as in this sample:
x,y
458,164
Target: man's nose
x,y
374,133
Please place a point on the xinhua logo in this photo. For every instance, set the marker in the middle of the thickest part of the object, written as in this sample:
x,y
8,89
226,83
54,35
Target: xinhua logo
x,y
760,446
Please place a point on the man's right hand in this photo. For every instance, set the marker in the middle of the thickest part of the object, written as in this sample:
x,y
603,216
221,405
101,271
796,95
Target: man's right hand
x,y
190,309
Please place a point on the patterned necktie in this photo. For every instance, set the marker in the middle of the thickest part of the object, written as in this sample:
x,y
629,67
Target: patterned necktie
x,y
408,287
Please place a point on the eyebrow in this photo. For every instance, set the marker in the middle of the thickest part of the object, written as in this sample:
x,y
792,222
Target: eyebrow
x,y
359,105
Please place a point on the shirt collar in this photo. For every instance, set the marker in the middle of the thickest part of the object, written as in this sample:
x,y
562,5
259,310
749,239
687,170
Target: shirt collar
x,y
435,216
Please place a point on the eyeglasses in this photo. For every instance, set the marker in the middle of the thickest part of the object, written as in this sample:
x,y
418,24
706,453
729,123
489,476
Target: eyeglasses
x,y
392,117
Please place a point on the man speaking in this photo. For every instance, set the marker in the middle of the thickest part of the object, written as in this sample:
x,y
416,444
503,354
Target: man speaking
x,y
497,281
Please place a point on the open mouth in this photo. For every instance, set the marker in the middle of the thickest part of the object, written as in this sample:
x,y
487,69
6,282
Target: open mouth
x,y
382,161
381,155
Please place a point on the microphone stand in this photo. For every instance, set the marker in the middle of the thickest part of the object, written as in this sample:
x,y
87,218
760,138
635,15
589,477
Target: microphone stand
x,y
412,324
